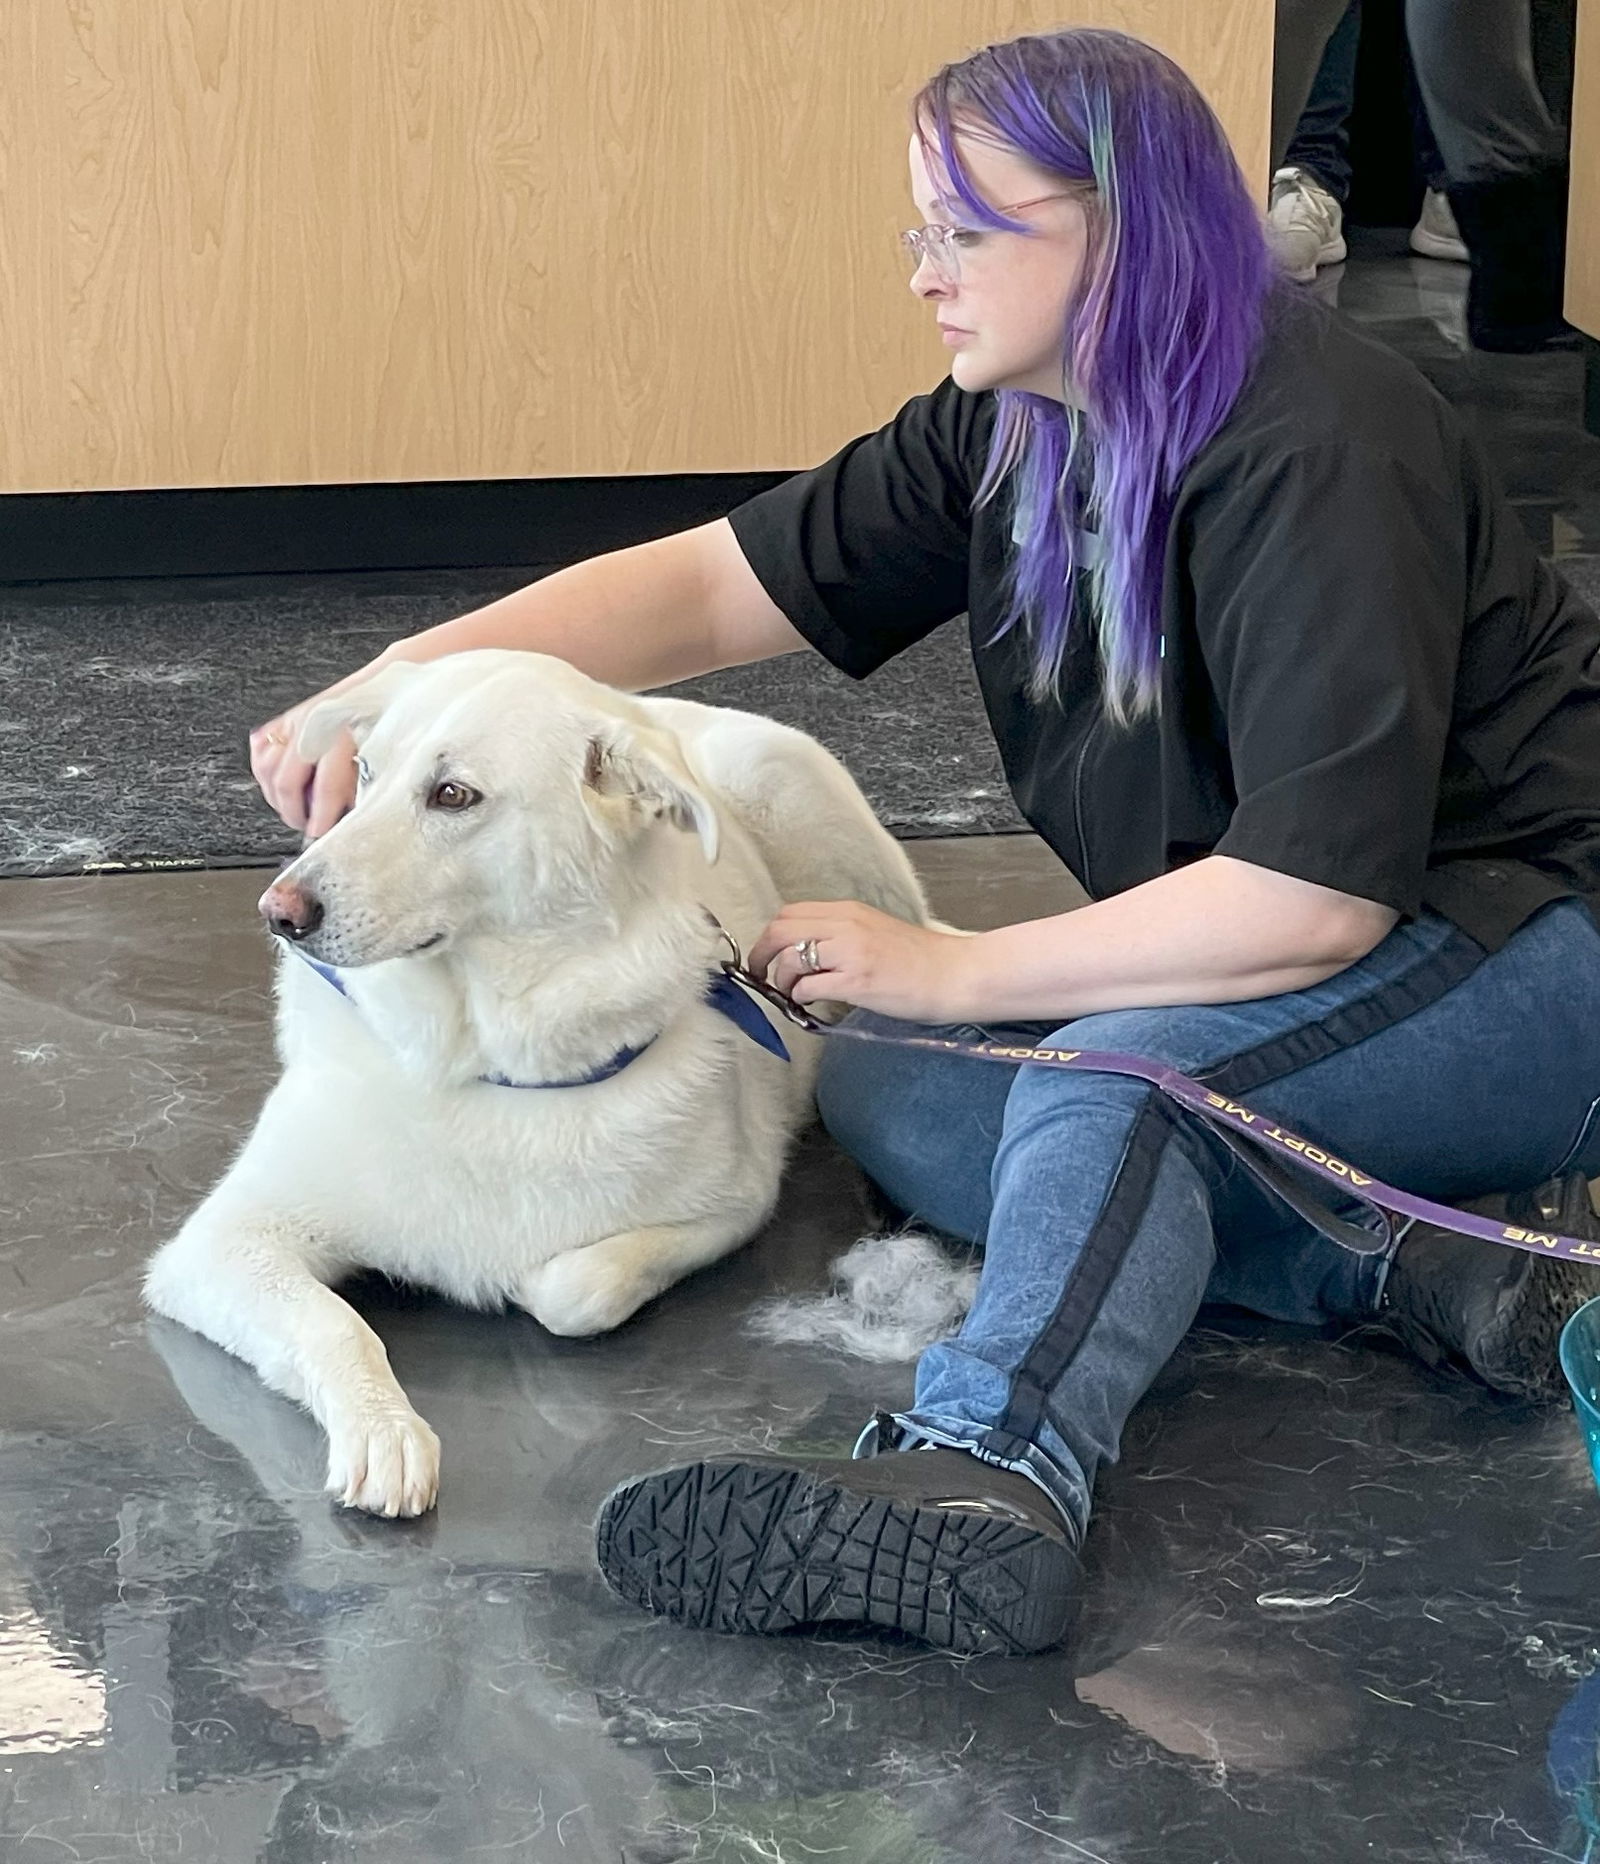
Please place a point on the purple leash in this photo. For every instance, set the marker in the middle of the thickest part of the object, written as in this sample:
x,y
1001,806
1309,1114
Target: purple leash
x,y
1260,1143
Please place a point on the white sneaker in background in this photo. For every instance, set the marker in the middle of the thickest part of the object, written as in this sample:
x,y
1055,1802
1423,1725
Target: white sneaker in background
x,y
1436,235
1305,224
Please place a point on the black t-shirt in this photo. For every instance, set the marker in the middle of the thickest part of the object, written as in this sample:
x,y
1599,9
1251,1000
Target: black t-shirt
x,y
1370,678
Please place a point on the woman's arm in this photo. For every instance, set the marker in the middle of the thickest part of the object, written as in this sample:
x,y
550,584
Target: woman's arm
x,y
684,605
1219,931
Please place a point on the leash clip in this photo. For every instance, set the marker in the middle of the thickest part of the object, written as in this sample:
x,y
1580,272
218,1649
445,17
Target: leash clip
x,y
733,966
770,994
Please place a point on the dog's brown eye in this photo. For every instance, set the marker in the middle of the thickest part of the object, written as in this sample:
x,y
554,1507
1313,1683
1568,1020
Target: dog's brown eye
x,y
449,795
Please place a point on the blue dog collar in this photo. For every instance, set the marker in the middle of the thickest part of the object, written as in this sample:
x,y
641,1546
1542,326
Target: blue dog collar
x,y
722,994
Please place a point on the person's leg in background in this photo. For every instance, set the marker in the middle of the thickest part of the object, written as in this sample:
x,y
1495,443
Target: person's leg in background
x,y
1321,139
1436,235
1555,36
1305,219
1428,1062
1301,32
1505,155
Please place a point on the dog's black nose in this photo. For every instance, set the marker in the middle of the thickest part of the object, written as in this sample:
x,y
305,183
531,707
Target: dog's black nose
x,y
290,912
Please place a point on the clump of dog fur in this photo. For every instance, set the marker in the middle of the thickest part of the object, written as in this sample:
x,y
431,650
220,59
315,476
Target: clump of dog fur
x,y
892,1297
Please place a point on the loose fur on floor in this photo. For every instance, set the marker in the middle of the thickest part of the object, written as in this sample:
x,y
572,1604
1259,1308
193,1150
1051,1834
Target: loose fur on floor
x,y
893,1296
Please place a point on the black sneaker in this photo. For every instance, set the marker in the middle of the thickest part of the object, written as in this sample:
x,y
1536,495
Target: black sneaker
x,y
1494,1310
933,1542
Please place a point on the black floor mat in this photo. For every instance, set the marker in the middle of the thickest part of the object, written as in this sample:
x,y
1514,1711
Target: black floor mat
x,y
124,713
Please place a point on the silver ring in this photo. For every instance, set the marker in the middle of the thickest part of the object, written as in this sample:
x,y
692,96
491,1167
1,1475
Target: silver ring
x,y
809,960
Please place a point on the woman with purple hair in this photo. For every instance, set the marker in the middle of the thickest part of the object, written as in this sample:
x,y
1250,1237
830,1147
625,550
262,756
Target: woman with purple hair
x,y
1275,671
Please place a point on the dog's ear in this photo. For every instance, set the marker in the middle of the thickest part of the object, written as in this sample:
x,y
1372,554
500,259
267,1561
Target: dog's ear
x,y
358,708
646,769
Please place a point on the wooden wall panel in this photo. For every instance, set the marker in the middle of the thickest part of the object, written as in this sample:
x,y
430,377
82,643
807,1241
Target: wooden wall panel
x,y
252,242
1583,240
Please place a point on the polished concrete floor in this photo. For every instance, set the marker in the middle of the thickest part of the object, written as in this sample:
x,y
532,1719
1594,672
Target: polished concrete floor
x,y
1340,1607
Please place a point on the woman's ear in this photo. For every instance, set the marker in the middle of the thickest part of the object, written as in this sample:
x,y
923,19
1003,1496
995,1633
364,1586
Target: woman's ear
x,y
645,769
357,710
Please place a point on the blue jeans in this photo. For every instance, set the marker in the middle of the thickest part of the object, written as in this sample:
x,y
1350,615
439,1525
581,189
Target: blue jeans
x,y
1321,140
1108,1214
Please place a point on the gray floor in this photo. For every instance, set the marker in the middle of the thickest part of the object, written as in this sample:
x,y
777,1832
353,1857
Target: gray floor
x,y
1340,1608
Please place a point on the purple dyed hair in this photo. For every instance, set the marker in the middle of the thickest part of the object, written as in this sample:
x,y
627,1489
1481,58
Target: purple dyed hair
x,y
1160,334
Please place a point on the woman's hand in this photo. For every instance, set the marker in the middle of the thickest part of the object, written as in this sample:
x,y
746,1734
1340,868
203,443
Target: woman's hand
x,y
308,796
868,959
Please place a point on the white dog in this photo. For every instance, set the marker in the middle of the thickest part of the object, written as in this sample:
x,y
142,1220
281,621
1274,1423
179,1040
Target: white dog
x,y
503,1077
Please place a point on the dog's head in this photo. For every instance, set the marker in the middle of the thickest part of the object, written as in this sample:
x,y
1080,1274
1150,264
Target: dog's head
x,y
499,793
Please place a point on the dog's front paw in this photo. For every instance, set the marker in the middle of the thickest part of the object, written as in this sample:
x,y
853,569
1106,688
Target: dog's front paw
x,y
586,1291
385,1462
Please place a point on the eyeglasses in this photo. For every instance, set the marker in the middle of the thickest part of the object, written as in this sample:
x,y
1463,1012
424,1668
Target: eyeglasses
x,y
941,245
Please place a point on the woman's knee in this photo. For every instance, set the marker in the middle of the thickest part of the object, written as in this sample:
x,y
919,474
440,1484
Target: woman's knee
x,y
1044,1100
1184,1036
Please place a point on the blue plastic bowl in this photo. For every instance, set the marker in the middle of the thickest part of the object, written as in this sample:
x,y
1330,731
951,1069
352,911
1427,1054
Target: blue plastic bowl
x,y
1580,1361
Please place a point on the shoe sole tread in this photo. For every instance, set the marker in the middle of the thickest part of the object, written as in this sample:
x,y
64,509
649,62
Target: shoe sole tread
x,y
736,1548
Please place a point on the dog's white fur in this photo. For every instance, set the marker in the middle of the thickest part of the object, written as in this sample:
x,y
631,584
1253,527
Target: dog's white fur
x,y
564,917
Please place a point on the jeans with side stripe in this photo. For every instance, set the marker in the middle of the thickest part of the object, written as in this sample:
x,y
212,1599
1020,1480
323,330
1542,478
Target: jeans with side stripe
x,y
1108,1214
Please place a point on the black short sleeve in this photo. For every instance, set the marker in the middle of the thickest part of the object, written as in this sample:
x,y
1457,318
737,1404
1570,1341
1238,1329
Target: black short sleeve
x,y
1329,589
869,552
